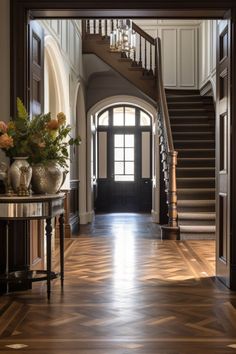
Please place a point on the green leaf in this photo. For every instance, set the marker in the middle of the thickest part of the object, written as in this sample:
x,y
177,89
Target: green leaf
x,y
21,110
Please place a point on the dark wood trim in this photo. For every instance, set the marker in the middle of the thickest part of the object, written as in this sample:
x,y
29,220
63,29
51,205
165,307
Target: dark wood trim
x,y
74,206
233,154
205,9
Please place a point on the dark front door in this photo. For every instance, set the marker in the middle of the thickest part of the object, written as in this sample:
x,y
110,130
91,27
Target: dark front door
x,y
124,160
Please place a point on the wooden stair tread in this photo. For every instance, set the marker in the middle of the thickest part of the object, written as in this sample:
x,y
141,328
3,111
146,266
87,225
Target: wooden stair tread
x,y
196,168
197,149
196,202
198,228
191,125
197,215
196,179
196,158
190,141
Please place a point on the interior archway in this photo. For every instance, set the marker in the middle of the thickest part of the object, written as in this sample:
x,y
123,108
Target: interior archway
x,y
91,140
56,80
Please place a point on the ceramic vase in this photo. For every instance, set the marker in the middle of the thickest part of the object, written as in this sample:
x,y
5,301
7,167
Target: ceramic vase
x,y
20,173
47,178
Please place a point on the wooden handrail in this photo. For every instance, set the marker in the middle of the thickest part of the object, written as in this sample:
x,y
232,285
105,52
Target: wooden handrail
x,y
143,34
162,96
169,155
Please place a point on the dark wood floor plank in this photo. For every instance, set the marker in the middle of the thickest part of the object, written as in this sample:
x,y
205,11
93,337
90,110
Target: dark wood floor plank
x,y
126,291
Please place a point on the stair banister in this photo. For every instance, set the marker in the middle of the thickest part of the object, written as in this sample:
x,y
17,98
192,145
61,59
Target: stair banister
x,y
145,45
169,155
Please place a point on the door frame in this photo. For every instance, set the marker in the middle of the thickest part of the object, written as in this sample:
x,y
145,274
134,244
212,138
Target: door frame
x,y
91,139
110,185
24,10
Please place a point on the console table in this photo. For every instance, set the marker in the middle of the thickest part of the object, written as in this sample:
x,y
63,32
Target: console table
x,y
31,208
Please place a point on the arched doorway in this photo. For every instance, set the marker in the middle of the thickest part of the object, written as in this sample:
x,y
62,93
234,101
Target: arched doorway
x,y
94,128
56,93
124,160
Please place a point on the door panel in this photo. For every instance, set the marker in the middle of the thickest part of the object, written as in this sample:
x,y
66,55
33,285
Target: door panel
x,y
124,160
36,65
223,121
36,84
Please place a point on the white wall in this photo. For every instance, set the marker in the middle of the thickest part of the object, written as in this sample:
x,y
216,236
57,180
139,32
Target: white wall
x,y
67,35
207,53
180,57
63,40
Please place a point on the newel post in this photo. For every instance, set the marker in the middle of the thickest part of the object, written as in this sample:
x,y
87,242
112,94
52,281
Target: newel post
x,y
171,231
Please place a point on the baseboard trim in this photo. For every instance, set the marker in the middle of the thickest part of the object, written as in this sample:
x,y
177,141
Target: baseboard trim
x,y
86,218
155,216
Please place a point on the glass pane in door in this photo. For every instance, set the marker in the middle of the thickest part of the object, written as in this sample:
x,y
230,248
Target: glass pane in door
x,y
124,157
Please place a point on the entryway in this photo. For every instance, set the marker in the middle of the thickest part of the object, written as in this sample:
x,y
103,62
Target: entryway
x,y
123,160
226,176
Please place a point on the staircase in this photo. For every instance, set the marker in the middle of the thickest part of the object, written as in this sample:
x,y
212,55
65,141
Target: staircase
x,y
193,128
137,68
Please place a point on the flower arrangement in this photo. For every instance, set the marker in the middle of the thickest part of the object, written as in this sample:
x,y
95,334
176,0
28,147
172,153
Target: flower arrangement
x,y
40,138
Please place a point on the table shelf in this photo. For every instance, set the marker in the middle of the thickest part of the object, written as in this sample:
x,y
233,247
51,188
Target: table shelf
x,y
31,275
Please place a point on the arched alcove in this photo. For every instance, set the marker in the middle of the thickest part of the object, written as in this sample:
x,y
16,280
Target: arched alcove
x,y
56,79
81,126
56,86
91,140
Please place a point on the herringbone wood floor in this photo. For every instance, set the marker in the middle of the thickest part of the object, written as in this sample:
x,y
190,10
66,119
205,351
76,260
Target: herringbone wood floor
x,y
126,291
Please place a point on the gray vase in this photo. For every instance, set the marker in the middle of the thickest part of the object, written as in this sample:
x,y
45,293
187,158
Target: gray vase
x,y
47,178
15,173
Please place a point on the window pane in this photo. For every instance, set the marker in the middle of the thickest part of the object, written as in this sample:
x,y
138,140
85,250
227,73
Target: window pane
x,y
103,119
129,116
102,154
119,140
118,116
124,178
146,154
129,168
119,168
144,119
129,140
129,154
119,154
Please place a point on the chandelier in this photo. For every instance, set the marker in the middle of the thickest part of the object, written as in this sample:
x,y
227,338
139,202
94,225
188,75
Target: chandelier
x,y
123,38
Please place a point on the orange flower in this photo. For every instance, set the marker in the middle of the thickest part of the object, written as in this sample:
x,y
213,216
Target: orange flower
x,y
6,141
3,127
53,124
61,118
11,125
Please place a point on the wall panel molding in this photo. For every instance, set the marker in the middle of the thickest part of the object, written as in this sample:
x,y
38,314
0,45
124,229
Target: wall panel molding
x,y
187,58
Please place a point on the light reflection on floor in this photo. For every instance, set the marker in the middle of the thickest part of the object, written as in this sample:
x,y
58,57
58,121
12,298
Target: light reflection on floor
x,y
124,258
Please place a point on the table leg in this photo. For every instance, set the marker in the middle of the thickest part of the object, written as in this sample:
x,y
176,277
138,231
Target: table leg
x,y
49,254
62,235
7,256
